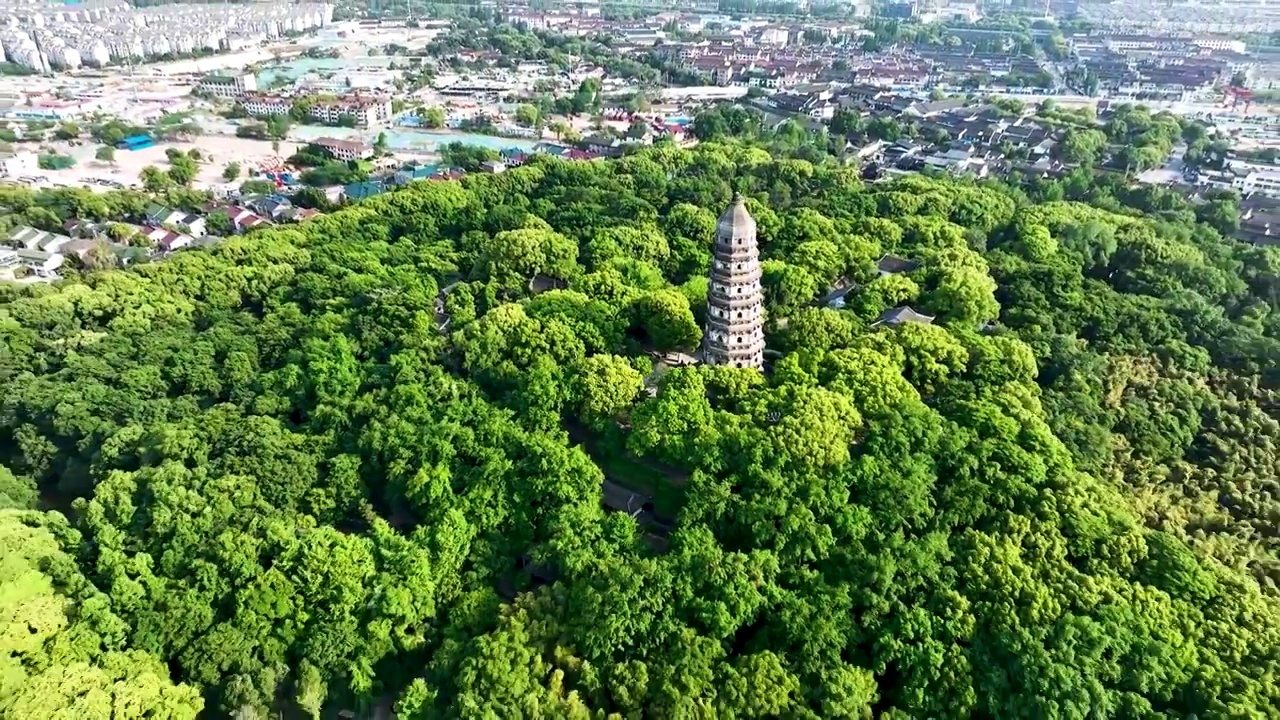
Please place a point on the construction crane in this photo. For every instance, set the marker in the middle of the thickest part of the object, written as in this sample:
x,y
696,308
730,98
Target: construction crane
x,y
1234,95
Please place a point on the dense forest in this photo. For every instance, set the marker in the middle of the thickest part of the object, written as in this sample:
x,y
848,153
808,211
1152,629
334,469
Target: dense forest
x,y
357,464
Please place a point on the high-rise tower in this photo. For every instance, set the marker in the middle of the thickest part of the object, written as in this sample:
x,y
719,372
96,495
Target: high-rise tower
x,y
735,304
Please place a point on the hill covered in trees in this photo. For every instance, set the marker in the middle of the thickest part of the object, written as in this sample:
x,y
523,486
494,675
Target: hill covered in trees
x,y
358,463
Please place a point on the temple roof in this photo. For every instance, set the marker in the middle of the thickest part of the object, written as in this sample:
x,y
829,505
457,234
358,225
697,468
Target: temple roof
x,y
735,220
902,314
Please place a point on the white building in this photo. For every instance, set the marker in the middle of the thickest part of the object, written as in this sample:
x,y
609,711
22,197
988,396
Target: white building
x,y
266,105
1264,182
775,36
36,250
228,87
346,150
368,111
1228,44
94,52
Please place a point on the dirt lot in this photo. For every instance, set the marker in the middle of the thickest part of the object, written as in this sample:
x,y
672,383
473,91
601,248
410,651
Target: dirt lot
x,y
129,163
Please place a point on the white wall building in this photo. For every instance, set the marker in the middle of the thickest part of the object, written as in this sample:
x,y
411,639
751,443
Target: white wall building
x,y
266,105
228,87
346,150
1264,182
368,111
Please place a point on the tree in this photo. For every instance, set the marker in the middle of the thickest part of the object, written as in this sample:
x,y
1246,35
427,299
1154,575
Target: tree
x,y
433,118
219,224
456,422
309,197
467,157
257,187
182,170
1083,147
67,130
587,97
606,387
528,115
17,493
277,127
380,144
58,625
154,180
231,171
55,162
106,154
667,320
884,128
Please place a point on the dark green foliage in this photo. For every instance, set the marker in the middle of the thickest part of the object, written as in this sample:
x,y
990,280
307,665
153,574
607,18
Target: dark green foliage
x,y
359,461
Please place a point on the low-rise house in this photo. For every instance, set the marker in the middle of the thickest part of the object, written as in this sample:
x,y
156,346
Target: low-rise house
x,y
815,105
298,214
158,216
80,247
40,263
902,148
364,189
406,175
835,298
602,146
1259,220
25,237
244,219
933,108
272,207
958,161
900,315
80,228
165,240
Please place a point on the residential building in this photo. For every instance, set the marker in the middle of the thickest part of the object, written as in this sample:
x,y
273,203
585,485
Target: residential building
x,y
29,238
368,110
228,87
178,221
273,207
1263,182
259,105
41,263
345,149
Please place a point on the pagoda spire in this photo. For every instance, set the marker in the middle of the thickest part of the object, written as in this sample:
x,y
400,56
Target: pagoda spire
x,y
735,303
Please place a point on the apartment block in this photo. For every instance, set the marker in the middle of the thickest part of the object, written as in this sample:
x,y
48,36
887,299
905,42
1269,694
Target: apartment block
x,y
368,110
227,87
346,150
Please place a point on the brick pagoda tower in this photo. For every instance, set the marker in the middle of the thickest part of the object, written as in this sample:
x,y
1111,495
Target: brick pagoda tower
x,y
735,303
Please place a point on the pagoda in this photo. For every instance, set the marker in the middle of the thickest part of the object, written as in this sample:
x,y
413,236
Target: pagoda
x,y
735,303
